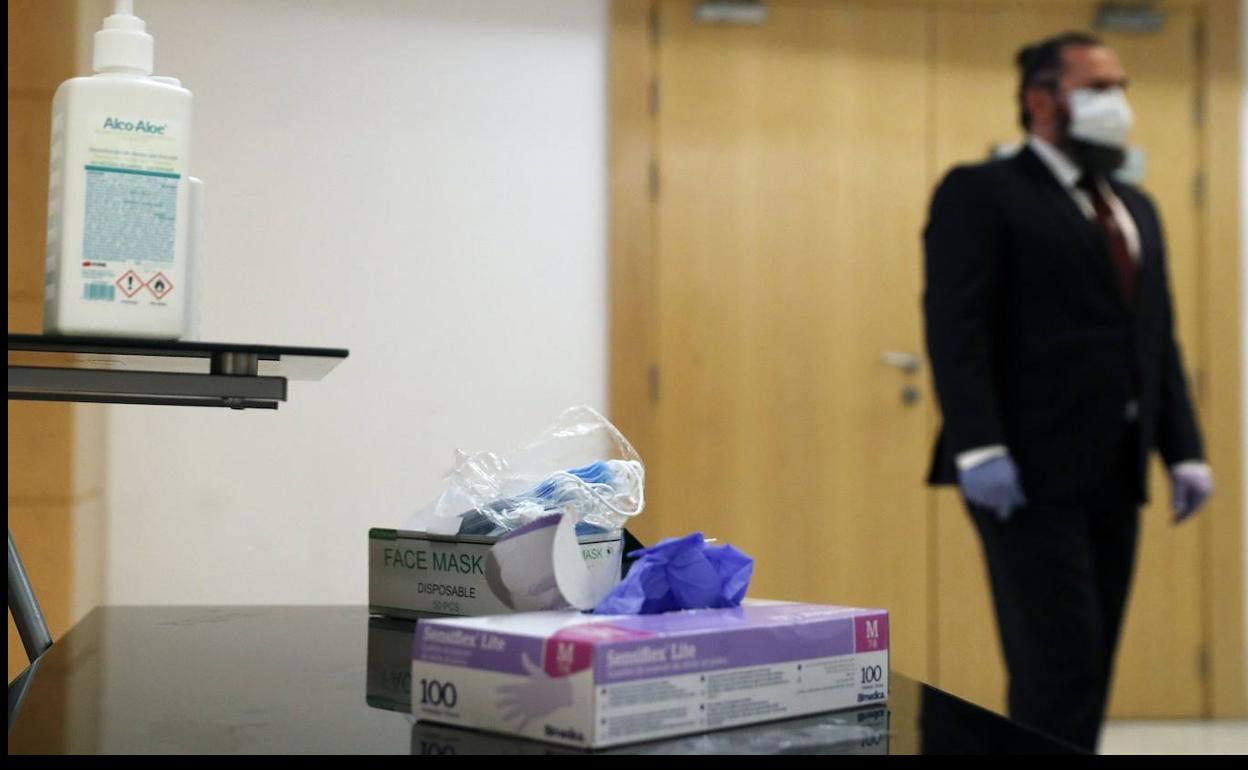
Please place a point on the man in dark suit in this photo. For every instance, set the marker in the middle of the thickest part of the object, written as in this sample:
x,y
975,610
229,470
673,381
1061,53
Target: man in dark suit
x,y
1050,331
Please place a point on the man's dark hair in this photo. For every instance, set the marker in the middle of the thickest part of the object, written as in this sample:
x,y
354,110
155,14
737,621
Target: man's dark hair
x,y
1040,65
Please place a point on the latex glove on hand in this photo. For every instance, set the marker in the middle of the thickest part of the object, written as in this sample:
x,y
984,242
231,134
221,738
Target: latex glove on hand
x,y
1192,484
993,484
537,696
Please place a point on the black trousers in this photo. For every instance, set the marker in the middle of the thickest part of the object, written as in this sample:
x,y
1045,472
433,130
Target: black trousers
x,y
1061,575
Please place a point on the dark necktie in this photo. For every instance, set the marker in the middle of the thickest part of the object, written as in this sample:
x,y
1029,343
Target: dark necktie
x,y
1119,253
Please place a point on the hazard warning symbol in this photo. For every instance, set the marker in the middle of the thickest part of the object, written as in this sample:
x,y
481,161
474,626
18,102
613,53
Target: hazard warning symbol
x,y
159,285
130,284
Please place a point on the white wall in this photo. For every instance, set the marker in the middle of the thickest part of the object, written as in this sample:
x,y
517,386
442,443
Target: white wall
x,y
420,181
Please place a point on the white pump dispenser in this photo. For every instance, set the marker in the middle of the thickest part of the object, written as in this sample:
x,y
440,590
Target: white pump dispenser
x,y
118,193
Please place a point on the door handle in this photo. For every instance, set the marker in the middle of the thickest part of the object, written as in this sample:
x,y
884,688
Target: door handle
x,y
907,362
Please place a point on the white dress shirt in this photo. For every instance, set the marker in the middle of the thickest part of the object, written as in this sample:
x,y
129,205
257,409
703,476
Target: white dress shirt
x,y
1068,175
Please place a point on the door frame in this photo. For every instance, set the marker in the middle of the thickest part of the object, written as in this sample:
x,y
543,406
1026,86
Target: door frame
x,y
1221,386
633,312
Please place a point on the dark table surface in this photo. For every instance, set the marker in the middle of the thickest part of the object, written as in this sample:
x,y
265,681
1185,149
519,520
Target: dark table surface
x,y
333,680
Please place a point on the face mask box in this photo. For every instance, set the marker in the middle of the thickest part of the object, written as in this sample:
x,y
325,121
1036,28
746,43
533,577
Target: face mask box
x,y
597,681
413,573
389,669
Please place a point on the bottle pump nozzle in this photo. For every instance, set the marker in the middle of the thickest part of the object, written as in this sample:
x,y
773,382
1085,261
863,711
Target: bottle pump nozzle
x,y
123,45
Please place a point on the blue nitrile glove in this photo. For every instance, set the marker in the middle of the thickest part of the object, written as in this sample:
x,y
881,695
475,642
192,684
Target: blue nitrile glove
x,y
993,484
1192,484
680,573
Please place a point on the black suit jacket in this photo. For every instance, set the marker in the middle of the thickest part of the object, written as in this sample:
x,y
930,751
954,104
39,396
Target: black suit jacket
x,y
1031,342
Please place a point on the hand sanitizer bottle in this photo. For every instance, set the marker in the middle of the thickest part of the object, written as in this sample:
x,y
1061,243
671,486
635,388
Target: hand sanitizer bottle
x,y
118,231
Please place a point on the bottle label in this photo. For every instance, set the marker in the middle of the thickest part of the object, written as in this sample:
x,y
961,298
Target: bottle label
x,y
133,176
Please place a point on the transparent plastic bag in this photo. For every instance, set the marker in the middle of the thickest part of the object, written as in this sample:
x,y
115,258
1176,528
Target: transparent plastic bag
x,y
581,465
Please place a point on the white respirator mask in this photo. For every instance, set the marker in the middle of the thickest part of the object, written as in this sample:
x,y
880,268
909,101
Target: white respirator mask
x,y
1100,116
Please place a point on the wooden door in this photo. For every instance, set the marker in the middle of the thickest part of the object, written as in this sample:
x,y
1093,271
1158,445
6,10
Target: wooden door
x,y
790,194
795,159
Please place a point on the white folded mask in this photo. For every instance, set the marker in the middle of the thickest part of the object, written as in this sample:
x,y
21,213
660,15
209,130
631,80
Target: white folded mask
x,y
1100,116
